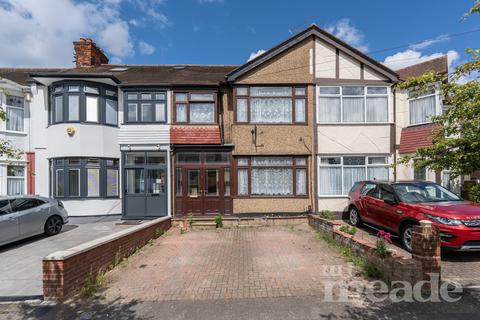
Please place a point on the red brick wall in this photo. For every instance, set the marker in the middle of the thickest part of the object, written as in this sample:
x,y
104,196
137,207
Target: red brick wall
x,y
426,249
65,277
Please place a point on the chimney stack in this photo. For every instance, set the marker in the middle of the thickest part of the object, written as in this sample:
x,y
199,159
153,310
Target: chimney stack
x,y
87,54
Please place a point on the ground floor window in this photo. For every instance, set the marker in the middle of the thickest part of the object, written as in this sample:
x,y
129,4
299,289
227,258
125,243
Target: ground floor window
x,y
419,173
272,176
84,178
337,174
15,180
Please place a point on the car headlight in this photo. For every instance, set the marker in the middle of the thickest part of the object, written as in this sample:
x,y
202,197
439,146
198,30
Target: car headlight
x,y
446,221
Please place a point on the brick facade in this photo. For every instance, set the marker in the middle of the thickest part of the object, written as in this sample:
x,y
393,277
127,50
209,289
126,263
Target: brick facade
x,y
87,54
64,275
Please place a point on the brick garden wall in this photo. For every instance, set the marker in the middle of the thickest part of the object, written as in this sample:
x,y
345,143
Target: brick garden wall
x,y
66,272
426,257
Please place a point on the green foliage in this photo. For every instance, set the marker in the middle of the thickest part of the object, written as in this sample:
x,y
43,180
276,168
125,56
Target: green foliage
x,y
218,221
474,193
158,233
327,214
348,229
382,248
368,269
456,141
92,285
190,221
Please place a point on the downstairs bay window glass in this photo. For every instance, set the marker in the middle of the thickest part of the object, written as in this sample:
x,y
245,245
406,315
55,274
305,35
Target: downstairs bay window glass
x,y
84,177
272,181
338,174
301,181
15,180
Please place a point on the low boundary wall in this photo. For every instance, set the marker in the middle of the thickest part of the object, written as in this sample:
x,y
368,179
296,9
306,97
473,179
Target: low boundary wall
x,y
66,272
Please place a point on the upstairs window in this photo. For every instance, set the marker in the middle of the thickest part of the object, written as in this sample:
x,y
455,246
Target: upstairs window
x,y
146,107
15,113
352,104
195,107
83,102
278,105
423,107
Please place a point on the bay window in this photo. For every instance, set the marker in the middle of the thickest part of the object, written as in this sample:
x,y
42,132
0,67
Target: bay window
x,y
15,113
15,180
423,107
337,174
146,107
83,101
195,107
272,176
273,104
84,178
352,104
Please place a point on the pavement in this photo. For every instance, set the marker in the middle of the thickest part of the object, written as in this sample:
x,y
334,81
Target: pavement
x,y
21,261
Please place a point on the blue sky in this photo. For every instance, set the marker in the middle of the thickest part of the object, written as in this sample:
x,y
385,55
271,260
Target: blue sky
x,y
227,32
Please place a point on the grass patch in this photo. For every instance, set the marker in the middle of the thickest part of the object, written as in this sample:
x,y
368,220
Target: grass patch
x,y
327,214
348,229
90,288
368,269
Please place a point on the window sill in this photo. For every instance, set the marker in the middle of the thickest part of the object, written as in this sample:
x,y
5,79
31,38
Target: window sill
x,y
85,123
420,124
332,196
271,197
18,133
354,123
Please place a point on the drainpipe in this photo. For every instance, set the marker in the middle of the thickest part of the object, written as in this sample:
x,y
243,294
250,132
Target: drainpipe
x,y
394,133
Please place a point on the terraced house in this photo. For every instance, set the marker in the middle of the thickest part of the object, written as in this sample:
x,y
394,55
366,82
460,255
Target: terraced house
x,y
287,132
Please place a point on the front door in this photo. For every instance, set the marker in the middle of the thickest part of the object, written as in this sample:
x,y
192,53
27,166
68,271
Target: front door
x,y
145,184
203,187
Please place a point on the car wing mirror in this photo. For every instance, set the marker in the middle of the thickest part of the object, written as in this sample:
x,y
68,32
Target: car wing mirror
x,y
390,202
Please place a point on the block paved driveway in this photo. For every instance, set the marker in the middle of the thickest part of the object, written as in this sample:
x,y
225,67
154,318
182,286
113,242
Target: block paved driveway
x,y
21,261
228,263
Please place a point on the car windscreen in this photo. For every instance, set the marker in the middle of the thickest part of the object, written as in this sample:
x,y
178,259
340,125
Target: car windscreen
x,y
423,192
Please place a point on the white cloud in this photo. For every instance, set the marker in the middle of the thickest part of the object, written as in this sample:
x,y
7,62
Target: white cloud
x,y
253,55
40,33
134,22
344,30
146,48
410,57
161,20
429,42
210,1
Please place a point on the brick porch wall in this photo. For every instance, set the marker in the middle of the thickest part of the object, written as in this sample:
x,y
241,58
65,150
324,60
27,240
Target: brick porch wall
x,y
66,272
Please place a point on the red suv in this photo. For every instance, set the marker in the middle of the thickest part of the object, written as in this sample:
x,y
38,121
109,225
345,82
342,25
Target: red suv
x,y
398,206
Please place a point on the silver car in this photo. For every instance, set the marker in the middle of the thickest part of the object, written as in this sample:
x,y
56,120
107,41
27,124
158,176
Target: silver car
x,y
25,216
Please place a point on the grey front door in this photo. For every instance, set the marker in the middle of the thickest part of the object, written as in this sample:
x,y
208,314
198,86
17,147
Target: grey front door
x,y
145,184
8,223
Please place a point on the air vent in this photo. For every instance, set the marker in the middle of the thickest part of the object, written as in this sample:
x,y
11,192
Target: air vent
x,y
119,69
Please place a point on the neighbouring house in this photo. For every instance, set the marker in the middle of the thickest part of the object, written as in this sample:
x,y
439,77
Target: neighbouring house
x,y
288,132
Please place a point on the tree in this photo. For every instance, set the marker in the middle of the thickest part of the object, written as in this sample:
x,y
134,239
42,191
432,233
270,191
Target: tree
x,y
456,142
6,148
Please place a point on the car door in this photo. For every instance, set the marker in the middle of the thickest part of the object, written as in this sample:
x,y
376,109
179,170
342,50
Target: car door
x,y
8,223
31,215
366,191
373,204
388,211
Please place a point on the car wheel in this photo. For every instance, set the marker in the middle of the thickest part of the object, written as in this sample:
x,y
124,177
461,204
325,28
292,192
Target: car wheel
x,y
406,237
53,226
354,217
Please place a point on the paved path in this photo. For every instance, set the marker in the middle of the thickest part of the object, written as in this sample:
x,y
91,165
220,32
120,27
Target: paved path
x,y
21,262
228,263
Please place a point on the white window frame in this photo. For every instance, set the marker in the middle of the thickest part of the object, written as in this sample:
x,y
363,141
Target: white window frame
x,y
438,106
24,177
343,166
365,95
